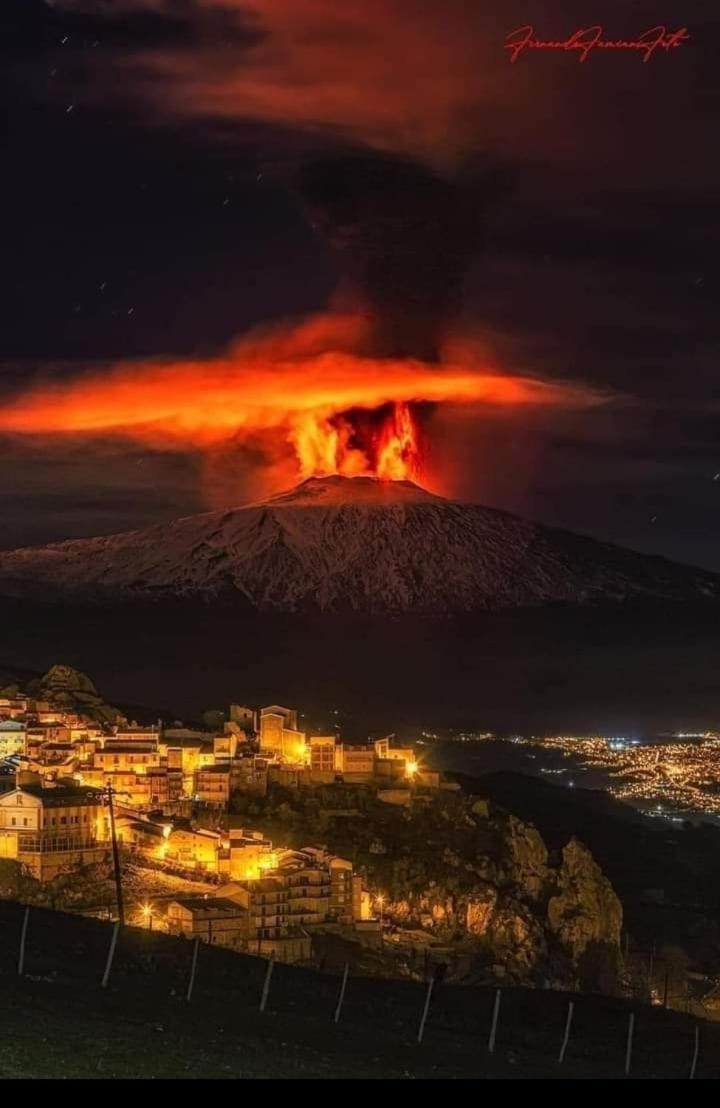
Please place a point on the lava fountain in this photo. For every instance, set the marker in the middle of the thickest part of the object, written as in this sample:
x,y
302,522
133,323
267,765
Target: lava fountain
x,y
384,442
307,390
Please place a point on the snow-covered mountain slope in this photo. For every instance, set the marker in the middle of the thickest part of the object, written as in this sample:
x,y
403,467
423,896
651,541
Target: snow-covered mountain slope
x,y
357,544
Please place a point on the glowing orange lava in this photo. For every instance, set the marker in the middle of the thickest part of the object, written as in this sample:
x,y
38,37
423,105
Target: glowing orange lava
x,y
399,454
304,386
327,445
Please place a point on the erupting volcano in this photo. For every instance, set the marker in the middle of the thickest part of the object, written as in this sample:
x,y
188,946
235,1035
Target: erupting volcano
x,y
308,390
341,543
384,443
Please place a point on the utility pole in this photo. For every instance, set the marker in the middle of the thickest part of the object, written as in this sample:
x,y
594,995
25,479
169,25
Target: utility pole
x,y
109,794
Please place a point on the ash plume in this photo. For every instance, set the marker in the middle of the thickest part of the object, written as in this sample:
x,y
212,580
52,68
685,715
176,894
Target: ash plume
x,y
404,237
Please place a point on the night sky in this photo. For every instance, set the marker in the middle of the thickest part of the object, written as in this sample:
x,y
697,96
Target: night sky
x,y
161,197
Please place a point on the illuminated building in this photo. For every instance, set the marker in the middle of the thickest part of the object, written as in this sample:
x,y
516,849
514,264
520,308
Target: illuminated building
x,y
225,746
133,734
279,734
325,756
197,848
135,758
377,761
254,921
251,854
12,707
51,830
212,919
214,784
327,882
12,737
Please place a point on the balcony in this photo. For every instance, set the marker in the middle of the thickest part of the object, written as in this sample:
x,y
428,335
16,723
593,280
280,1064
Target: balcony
x,y
38,844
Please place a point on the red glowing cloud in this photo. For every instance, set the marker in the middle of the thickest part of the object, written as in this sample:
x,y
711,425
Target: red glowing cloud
x,y
385,73
300,385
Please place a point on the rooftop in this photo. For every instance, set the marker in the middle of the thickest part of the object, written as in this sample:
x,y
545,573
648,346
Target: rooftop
x,y
62,797
121,748
218,904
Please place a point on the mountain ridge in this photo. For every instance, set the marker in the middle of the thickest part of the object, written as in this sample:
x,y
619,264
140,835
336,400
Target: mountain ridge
x,y
339,543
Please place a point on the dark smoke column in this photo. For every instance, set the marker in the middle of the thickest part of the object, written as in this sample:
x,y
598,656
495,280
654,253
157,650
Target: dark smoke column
x,y
404,237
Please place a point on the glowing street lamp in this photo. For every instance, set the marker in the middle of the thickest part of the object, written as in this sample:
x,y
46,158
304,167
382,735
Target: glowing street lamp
x,y
380,900
411,768
147,914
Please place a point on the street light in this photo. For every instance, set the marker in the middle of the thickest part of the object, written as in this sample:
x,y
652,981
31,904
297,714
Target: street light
x,y
147,914
380,900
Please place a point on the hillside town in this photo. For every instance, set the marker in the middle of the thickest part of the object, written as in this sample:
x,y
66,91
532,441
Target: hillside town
x,y
75,773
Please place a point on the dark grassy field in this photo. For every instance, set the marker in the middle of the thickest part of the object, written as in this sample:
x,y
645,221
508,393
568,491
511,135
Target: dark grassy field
x,y
59,1022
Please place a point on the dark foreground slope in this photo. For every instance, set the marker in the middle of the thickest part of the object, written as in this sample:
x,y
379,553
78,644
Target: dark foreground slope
x,y
60,1023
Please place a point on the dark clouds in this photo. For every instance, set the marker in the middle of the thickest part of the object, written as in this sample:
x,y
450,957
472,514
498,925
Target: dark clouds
x,y
405,238
170,183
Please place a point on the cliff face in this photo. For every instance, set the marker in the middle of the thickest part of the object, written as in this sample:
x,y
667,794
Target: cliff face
x,y
584,908
535,916
465,874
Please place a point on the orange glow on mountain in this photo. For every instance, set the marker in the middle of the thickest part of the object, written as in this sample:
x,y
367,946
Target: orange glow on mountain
x,y
341,411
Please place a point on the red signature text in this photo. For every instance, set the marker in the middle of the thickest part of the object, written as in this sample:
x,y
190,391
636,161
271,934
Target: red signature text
x,y
586,39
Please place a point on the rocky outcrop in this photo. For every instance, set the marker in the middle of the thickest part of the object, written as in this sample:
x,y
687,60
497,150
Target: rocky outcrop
x,y
526,861
535,915
480,910
584,909
67,688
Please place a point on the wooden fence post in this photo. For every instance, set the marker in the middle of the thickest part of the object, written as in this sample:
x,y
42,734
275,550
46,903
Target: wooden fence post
x,y
23,937
111,955
341,997
696,1051
266,983
493,1026
628,1048
193,969
426,1009
566,1036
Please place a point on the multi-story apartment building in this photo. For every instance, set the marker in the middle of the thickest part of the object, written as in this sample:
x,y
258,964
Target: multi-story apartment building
x,y
212,919
13,707
251,854
51,830
214,784
118,757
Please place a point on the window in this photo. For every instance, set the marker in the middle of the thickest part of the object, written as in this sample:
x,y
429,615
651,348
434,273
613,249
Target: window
x,y
63,819
14,821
